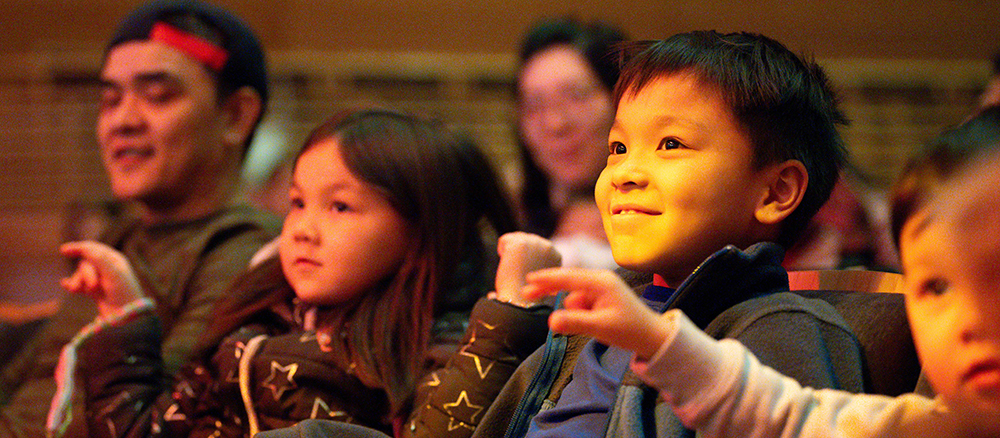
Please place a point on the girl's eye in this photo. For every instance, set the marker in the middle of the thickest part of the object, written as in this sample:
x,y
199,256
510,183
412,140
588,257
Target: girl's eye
x,y
617,148
296,203
339,207
670,143
935,287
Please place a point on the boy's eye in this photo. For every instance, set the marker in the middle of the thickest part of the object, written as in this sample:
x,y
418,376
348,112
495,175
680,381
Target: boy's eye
x,y
670,143
296,203
617,148
339,207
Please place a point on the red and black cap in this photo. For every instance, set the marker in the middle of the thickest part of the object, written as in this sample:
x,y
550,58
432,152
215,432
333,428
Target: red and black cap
x,y
238,61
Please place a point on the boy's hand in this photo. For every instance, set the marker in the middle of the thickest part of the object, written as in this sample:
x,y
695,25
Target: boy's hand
x,y
103,274
521,253
599,304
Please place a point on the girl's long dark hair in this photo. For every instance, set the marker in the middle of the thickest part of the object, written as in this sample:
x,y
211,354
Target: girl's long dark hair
x,y
446,189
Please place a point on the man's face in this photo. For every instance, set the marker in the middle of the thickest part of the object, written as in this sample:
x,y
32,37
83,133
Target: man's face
x,y
159,125
680,182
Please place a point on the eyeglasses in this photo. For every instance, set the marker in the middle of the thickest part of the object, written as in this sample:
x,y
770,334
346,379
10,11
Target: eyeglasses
x,y
567,100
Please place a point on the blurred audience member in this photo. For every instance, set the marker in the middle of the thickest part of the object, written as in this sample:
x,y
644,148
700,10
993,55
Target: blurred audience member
x,y
851,230
184,86
564,81
991,93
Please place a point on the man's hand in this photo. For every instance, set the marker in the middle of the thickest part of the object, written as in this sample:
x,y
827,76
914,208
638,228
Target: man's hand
x,y
103,274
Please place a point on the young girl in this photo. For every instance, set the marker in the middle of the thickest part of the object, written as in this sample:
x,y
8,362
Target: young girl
x,y
379,261
948,233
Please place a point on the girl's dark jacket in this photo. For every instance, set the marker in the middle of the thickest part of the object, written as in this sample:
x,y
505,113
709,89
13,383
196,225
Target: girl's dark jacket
x,y
267,370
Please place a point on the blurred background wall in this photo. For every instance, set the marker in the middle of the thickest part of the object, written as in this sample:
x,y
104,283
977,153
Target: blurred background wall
x,y
905,70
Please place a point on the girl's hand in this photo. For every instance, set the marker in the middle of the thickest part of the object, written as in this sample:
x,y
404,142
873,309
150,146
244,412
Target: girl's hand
x,y
103,274
521,253
599,304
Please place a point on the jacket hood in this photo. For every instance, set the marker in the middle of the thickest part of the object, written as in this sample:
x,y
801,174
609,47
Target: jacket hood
x,y
737,275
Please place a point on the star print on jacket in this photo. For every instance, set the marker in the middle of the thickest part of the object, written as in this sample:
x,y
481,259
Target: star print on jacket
x,y
475,358
463,404
281,379
321,409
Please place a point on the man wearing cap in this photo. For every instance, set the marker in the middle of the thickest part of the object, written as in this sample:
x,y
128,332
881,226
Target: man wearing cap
x,y
184,87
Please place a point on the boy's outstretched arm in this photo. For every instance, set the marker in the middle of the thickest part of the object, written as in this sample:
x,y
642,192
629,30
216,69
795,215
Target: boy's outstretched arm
x,y
103,274
599,304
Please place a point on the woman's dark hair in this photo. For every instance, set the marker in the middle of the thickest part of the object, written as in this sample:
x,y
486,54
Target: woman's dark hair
x,y
782,102
596,42
939,161
443,186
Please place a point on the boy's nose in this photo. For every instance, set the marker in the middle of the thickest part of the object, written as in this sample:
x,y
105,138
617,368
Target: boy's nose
x,y
630,172
981,317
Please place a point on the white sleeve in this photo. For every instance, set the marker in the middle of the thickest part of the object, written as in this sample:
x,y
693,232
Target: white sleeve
x,y
720,389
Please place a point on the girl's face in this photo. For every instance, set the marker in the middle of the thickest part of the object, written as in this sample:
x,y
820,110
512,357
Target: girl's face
x,y
565,115
953,303
341,236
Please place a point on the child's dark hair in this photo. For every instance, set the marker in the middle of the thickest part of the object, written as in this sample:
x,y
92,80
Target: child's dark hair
x,y
596,42
782,102
939,161
443,186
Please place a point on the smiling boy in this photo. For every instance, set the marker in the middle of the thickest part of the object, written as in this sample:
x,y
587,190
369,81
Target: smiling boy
x,y
949,241
722,148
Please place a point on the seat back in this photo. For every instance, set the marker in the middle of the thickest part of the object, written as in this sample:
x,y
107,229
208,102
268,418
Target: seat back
x,y
855,280
873,309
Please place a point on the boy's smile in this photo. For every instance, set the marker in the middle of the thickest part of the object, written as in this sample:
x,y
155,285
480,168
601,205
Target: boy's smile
x,y
679,182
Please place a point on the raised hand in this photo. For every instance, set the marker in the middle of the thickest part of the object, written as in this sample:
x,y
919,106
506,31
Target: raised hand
x,y
103,274
521,253
599,304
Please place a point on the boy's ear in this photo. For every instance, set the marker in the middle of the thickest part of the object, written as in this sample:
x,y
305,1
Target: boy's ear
x,y
787,182
241,110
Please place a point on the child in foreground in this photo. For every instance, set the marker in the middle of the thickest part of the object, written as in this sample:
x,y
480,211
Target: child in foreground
x,y
950,246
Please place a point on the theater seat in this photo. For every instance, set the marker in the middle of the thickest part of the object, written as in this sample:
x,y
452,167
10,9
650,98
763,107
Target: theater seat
x,y
871,304
852,280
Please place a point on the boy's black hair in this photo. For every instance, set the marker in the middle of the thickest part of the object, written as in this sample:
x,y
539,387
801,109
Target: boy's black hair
x,y
597,42
245,65
940,160
782,102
